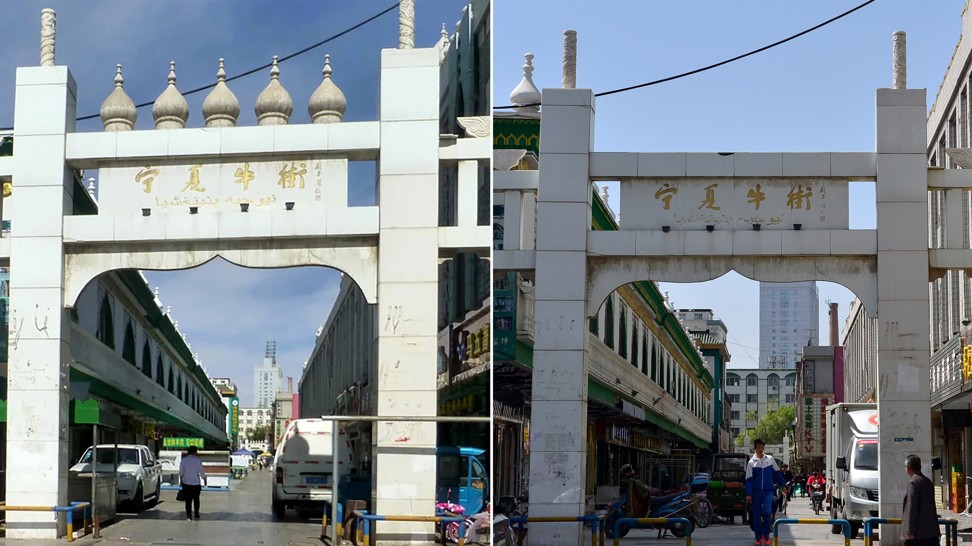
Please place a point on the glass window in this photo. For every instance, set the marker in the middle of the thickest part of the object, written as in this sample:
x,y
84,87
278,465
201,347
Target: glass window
x,y
751,381
751,399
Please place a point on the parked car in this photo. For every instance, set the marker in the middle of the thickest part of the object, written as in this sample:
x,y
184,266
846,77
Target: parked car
x,y
138,475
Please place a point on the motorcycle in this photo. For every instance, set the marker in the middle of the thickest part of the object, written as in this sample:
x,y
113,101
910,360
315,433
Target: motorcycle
x,y
449,508
502,532
511,507
817,497
636,502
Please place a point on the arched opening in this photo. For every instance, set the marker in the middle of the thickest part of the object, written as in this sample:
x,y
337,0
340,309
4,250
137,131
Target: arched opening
x,y
106,324
146,360
159,372
609,323
128,347
623,333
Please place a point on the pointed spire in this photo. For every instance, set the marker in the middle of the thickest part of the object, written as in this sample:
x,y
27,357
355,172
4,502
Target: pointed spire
x,y
221,107
273,105
327,104
118,112
444,33
526,92
170,111
91,187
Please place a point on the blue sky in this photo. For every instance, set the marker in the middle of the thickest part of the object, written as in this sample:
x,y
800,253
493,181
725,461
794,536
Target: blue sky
x,y
227,312
816,93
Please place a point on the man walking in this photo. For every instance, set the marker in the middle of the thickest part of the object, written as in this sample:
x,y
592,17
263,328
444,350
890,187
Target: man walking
x,y
788,478
761,476
192,476
919,522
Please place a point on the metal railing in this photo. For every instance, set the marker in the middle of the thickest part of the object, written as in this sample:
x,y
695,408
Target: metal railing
x,y
518,523
951,529
367,518
641,522
69,510
335,469
811,521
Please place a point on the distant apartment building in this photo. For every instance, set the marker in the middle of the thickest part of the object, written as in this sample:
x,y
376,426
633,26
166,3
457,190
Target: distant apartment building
x,y
788,321
252,419
752,392
268,378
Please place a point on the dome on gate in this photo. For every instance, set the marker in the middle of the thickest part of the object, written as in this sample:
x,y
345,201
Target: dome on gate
x,y
118,112
170,111
327,103
526,92
273,105
221,108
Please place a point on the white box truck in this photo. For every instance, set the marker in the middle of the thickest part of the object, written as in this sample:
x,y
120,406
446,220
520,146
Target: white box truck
x,y
852,463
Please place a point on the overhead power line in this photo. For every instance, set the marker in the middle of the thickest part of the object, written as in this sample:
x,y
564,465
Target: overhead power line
x,y
711,66
264,66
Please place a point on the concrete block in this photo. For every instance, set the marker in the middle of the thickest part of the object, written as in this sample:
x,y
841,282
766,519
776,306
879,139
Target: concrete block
x,y
151,145
41,109
409,309
896,234
904,274
635,194
666,164
901,129
409,93
89,228
901,97
564,178
561,332
299,138
88,146
195,142
291,223
613,165
355,136
902,177
558,96
611,243
566,130
806,243
562,226
758,164
38,162
708,164
567,270
704,243
46,266
40,457
406,435
408,402
240,225
659,243
409,147
414,254
138,228
853,165
854,242
757,243
406,58
191,226
904,381
806,164
353,221
408,197
46,75
246,140
567,382
40,210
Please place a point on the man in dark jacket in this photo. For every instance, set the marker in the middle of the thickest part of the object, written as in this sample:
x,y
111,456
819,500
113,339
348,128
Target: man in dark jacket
x,y
919,522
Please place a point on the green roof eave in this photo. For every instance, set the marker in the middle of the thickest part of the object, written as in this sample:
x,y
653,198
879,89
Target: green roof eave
x,y
606,394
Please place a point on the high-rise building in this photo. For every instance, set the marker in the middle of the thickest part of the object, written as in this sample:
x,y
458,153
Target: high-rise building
x,y
267,378
788,321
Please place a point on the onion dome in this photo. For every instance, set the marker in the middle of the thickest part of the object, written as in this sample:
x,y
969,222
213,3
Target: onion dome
x,y
170,111
273,105
327,103
526,92
118,112
221,108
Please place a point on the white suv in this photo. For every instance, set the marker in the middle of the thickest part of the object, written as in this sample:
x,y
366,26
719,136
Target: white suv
x,y
139,475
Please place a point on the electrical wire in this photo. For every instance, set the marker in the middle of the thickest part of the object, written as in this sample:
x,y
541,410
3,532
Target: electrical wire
x,y
262,67
711,66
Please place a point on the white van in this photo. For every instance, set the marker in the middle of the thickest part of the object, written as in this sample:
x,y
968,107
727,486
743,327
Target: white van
x,y
302,468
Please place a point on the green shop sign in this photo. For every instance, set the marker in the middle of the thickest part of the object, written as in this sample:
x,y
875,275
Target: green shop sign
x,y
182,442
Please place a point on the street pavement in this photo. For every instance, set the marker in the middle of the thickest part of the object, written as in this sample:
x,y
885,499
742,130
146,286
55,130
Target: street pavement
x,y
241,517
790,534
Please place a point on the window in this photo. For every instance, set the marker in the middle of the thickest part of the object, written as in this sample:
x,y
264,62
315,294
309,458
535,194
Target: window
x,y
106,324
734,398
609,322
751,381
732,381
128,348
146,360
751,398
623,332
171,380
734,415
789,399
159,371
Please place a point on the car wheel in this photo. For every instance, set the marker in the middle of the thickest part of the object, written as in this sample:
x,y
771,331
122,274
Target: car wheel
x,y
138,501
279,509
158,493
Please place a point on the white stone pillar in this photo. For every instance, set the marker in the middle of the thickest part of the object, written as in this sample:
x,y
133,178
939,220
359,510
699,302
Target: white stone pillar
x,y
39,352
408,257
904,413
558,442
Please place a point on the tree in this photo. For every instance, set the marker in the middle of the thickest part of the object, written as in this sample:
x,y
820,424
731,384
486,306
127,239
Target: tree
x,y
773,425
257,433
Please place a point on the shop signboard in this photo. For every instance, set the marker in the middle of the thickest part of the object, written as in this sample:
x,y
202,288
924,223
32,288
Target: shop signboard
x,y
504,317
181,443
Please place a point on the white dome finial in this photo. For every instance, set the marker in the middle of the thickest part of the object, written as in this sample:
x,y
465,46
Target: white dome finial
x,y
170,111
118,112
327,104
274,105
221,108
526,93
